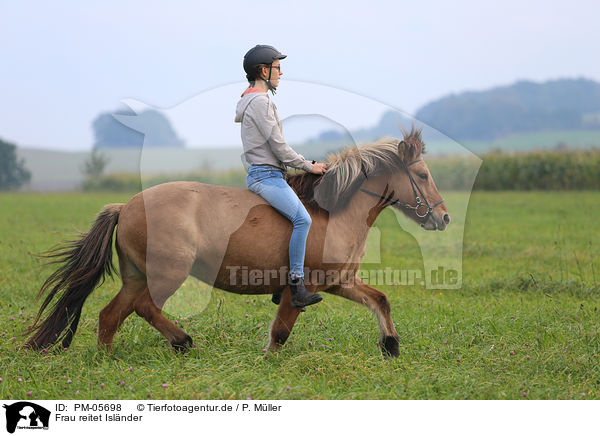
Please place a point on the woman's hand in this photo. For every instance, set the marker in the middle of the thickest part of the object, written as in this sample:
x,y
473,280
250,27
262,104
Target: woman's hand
x,y
319,168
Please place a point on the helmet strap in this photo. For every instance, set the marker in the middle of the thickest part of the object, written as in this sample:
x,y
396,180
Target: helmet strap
x,y
271,87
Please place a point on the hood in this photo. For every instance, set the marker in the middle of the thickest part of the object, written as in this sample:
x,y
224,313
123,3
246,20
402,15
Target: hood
x,y
242,105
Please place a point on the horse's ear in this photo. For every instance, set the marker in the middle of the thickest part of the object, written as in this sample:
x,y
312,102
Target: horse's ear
x,y
402,148
405,150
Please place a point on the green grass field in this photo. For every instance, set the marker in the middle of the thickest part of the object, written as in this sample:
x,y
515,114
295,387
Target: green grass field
x,y
523,326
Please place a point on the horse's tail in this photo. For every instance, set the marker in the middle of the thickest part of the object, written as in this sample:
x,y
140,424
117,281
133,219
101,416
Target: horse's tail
x,y
85,263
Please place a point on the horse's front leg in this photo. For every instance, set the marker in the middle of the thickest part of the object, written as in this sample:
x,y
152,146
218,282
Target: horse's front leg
x,y
378,303
284,320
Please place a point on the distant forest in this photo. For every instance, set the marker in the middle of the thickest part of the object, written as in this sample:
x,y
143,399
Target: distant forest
x,y
523,107
565,104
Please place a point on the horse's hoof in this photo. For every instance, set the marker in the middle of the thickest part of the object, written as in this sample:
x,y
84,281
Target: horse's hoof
x,y
390,346
105,348
276,298
184,345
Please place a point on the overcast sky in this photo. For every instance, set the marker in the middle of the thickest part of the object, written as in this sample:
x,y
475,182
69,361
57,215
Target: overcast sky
x,y
62,62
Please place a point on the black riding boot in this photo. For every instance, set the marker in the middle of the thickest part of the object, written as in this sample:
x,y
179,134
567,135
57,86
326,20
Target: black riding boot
x,y
300,295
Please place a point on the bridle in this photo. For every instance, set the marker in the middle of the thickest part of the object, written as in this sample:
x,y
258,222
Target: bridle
x,y
419,203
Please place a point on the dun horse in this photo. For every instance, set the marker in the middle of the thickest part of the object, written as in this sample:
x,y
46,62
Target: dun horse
x,y
214,233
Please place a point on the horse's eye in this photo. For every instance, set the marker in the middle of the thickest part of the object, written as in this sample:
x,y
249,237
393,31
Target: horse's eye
x,y
423,176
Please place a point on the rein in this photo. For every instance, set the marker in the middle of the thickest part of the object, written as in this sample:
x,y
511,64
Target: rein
x,y
415,187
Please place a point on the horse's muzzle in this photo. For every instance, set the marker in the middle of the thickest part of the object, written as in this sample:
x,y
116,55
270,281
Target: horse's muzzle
x,y
436,222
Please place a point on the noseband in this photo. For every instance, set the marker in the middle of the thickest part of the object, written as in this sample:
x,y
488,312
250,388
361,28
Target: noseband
x,y
416,191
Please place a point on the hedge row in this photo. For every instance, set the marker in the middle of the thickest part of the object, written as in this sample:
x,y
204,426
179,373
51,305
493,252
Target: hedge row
x,y
540,170
547,170
536,170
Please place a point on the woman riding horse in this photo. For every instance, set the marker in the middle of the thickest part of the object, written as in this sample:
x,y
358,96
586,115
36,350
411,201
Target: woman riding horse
x,y
268,154
171,231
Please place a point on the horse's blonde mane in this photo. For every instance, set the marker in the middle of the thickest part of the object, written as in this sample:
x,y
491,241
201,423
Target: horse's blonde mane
x,y
348,169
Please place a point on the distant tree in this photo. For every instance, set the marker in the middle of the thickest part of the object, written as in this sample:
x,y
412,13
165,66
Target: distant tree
x,y
13,173
157,131
95,165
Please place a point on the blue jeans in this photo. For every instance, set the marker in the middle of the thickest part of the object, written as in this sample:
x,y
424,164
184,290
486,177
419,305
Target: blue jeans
x,y
269,182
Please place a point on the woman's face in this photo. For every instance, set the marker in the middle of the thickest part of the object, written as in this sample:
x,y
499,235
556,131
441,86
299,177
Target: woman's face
x,y
275,73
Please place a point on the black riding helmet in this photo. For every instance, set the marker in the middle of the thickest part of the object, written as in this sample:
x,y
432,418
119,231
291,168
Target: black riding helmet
x,y
261,55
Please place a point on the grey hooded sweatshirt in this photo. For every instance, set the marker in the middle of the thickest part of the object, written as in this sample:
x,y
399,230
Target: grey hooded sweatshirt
x,y
262,134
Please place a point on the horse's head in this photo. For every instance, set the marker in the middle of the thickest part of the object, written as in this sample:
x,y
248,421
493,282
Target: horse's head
x,y
411,188
392,171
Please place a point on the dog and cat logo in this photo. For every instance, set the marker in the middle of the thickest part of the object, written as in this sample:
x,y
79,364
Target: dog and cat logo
x,y
26,415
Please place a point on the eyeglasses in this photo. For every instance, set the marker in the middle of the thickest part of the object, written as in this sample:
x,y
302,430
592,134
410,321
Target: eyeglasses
x,y
277,67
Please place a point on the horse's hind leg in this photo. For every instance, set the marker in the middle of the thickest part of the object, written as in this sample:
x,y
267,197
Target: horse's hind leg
x,y
146,307
165,272
378,303
120,307
284,321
